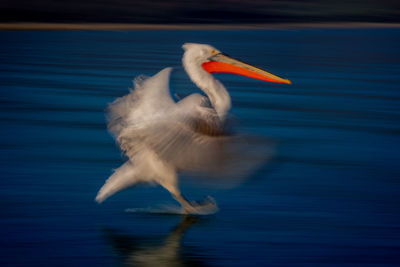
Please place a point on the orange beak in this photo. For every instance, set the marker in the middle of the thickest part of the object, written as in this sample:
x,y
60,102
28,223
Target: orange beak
x,y
223,63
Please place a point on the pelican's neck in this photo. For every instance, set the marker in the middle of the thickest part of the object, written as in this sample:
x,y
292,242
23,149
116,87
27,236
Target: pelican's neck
x,y
216,92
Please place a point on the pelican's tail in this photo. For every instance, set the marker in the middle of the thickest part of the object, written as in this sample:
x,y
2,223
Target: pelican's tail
x,y
123,177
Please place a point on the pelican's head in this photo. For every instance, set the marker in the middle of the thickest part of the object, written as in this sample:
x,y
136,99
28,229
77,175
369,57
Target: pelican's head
x,y
212,60
200,52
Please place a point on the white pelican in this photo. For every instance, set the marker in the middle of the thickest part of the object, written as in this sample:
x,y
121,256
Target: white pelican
x,y
161,137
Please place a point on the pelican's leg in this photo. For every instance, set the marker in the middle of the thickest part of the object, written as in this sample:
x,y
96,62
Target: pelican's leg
x,y
172,187
208,206
169,182
187,207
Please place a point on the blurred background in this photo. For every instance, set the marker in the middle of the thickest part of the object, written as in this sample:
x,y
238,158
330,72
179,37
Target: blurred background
x,y
328,197
222,11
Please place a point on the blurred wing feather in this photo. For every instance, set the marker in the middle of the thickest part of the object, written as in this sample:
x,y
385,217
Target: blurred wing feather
x,y
150,98
194,139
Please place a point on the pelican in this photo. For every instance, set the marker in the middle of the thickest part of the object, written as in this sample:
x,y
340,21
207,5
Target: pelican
x,y
162,137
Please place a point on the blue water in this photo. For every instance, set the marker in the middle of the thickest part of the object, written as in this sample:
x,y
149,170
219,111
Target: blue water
x,y
329,197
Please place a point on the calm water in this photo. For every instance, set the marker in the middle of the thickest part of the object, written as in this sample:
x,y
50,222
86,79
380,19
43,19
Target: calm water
x,y
329,197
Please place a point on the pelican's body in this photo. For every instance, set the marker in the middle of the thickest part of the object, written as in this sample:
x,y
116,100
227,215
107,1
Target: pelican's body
x,y
162,137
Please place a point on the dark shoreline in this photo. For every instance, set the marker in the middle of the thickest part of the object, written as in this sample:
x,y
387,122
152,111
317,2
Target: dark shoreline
x,y
131,26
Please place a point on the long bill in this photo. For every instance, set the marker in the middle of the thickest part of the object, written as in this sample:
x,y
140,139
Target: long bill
x,y
223,63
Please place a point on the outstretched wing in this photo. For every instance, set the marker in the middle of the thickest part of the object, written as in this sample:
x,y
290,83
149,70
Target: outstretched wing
x,y
191,137
149,100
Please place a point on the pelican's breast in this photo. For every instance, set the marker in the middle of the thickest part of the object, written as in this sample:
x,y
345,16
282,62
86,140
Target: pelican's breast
x,y
202,118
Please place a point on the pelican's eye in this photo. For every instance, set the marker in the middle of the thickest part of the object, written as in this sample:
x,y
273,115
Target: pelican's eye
x,y
213,52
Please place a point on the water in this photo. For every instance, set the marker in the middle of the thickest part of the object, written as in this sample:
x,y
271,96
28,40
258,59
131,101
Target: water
x,y
329,196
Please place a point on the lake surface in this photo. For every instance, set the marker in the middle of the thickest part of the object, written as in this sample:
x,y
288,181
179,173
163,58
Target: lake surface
x,y
330,196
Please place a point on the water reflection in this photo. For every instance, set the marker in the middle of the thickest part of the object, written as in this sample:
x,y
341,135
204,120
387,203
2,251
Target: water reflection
x,y
144,251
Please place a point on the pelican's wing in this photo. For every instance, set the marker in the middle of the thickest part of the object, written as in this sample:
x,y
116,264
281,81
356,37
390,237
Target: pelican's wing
x,y
149,100
199,146
191,137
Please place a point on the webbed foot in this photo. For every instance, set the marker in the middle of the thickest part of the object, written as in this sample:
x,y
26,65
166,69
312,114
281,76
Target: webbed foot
x,y
204,207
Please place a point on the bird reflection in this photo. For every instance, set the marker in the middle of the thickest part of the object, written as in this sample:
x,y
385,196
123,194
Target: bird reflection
x,y
140,251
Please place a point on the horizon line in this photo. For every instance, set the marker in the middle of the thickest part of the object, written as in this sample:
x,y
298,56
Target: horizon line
x,y
189,26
